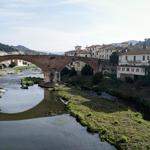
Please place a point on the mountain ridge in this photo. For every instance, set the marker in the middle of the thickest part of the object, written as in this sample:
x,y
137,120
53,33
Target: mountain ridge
x,y
20,49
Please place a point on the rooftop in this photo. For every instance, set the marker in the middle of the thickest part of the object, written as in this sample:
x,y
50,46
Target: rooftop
x,y
137,52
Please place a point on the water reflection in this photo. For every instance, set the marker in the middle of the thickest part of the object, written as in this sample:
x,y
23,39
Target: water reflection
x,y
49,106
18,131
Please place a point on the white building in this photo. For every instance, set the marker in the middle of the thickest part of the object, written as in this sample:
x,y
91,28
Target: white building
x,y
70,53
79,52
93,50
106,51
133,63
83,53
77,65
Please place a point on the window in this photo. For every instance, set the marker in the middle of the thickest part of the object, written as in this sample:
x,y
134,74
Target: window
x,y
128,69
143,58
142,70
137,70
123,69
147,57
126,57
132,69
134,58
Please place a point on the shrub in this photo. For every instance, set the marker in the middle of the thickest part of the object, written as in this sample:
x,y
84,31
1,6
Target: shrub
x,y
122,139
114,58
13,64
65,71
87,71
72,72
97,78
103,131
129,80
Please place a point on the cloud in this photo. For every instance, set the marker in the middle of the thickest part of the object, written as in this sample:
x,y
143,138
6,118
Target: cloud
x,y
61,24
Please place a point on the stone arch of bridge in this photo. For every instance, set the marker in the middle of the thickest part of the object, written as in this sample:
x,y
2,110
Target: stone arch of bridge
x,y
18,57
93,63
52,65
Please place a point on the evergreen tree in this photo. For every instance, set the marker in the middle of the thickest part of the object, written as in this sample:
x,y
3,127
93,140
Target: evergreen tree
x,y
87,70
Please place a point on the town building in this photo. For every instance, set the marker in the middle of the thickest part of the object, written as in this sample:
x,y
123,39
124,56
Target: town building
x,y
79,52
77,65
106,51
133,63
93,50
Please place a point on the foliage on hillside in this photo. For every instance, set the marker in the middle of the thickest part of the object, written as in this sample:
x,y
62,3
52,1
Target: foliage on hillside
x,y
7,48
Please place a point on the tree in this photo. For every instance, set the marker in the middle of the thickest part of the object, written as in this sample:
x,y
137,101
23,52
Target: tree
x,y
13,64
144,45
87,70
65,71
97,78
72,72
114,58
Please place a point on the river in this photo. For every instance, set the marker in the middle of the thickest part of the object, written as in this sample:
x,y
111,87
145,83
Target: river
x,y
35,119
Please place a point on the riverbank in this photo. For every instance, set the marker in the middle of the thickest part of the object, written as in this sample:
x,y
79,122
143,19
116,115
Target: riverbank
x,y
133,94
117,123
30,81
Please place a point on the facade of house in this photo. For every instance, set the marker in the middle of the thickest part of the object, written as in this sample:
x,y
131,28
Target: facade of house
x,y
93,50
102,52
133,63
70,53
77,65
106,51
79,52
83,53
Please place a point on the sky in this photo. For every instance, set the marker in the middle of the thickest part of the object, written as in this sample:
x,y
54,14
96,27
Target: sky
x,y
59,25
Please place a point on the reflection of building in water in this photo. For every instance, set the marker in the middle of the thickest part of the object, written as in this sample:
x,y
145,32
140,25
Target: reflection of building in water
x,y
50,105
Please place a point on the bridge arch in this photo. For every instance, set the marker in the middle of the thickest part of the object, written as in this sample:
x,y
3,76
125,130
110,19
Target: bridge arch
x,y
62,61
52,63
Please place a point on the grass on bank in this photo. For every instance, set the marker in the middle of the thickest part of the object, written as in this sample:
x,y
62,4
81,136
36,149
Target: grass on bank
x,y
115,122
133,94
29,81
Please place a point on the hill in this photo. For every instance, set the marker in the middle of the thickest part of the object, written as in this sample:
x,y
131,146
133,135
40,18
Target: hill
x,y
26,50
20,49
7,48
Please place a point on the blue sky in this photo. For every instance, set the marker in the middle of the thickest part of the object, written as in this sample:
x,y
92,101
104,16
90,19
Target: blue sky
x,y
59,25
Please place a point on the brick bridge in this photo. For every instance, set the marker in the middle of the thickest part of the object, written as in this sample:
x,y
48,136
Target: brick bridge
x,y
51,65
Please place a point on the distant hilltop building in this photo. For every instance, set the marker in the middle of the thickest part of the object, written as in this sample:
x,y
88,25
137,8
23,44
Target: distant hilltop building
x,y
78,52
95,51
102,52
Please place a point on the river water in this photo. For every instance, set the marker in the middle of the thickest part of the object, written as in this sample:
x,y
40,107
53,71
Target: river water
x,y
35,119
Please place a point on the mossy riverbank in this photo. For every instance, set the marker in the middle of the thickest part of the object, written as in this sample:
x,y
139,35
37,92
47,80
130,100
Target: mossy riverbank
x,y
117,123
29,81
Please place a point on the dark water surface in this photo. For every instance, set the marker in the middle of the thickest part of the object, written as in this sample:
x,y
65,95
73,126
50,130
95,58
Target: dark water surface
x,y
35,119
